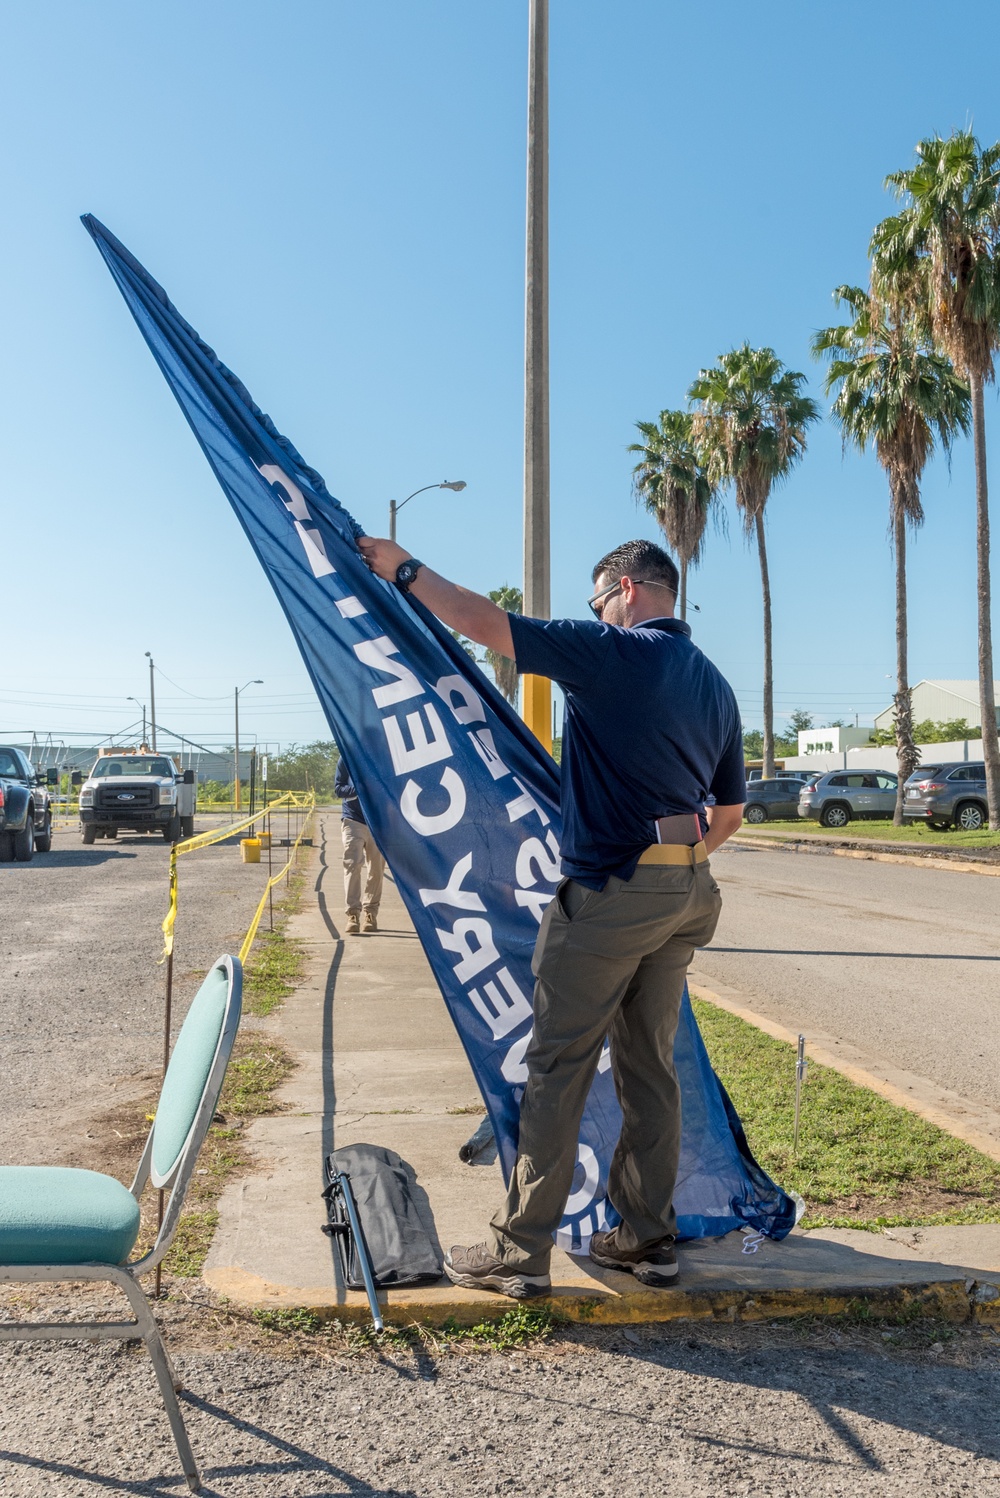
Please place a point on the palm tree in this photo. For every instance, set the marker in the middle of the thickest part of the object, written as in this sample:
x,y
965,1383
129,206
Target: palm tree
x,y
750,426
504,669
673,484
941,256
898,395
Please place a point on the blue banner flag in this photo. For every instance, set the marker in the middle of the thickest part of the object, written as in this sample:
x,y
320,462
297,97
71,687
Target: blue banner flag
x,y
460,796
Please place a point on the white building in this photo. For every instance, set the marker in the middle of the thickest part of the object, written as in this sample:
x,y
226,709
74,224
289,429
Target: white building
x,y
940,702
831,740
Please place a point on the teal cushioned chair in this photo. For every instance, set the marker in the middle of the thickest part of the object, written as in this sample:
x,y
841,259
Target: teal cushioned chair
x,y
60,1224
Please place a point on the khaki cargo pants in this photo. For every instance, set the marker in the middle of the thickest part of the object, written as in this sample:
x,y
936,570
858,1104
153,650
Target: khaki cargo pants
x,y
361,855
608,963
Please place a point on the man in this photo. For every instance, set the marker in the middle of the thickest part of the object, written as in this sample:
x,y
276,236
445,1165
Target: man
x,y
359,851
652,733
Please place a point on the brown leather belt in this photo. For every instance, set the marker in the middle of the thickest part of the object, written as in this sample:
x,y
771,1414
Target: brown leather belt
x,y
675,853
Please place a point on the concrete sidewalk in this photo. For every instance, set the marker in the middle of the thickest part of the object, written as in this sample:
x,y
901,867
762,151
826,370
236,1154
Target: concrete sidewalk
x,y
380,1063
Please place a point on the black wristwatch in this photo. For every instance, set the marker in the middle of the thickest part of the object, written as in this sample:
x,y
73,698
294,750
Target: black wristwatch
x,y
406,573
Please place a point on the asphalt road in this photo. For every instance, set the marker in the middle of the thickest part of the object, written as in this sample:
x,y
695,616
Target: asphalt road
x,y
902,962
81,995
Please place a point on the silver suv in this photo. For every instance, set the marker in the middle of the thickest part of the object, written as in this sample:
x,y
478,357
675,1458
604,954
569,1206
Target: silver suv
x,y
842,794
948,795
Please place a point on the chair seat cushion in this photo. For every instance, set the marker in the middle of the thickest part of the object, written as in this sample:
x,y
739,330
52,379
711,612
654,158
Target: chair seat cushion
x,y
49,1215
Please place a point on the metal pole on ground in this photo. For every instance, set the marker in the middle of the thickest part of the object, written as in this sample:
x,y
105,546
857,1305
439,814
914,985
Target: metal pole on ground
x,y
537,690
800,1075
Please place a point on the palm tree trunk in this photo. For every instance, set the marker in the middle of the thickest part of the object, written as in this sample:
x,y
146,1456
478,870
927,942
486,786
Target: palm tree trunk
x,y
906,753
987,699
684,589
765,585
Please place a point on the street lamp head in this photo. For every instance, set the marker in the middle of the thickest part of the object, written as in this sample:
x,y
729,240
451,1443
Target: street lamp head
x,y
457,484
148,654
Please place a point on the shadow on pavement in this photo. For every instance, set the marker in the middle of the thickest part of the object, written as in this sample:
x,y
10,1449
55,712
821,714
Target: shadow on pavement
x,y
78,858
821,952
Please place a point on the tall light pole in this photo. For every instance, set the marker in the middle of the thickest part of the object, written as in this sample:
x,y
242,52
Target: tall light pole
x,y
537,690
152,700
143,706
257,682
457,484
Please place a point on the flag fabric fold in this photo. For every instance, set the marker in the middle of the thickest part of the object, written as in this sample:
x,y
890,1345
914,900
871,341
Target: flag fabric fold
x,y
460,797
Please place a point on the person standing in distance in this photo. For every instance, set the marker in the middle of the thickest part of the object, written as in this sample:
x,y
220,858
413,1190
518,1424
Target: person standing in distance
x,y
360,855
652,782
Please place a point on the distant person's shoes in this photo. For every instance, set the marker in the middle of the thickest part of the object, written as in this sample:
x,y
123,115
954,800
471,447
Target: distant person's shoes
x,y
368,923
353,925
656,1265
478,1268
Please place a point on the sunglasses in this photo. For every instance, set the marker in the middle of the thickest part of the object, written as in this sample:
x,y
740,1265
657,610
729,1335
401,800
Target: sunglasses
x,y
596,606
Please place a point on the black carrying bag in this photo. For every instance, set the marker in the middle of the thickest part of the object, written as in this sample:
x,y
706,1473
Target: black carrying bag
x,y
402,1249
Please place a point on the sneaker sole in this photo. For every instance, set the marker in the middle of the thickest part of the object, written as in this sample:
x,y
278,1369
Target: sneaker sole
x,y
647,1274
516,1286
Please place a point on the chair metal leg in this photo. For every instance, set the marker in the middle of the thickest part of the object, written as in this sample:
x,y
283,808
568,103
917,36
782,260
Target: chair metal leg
x,y
150,1333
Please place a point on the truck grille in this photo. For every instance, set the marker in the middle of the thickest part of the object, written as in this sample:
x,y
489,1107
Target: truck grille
x,y
126,798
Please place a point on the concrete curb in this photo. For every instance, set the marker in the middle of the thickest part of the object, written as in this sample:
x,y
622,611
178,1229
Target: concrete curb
x,y
914,860
957,1301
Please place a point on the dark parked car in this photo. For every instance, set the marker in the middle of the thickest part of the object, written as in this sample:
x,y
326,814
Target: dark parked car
x,y
770,799
25,806
839,795
948,795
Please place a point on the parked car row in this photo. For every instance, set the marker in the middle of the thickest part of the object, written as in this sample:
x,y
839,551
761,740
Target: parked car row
x,y
946,795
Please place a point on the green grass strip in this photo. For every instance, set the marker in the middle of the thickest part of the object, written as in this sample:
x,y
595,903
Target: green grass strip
x,y
856,830
862,1161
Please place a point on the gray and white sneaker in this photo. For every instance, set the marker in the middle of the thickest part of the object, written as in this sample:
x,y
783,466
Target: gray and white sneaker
x,y
655,1265
478,1268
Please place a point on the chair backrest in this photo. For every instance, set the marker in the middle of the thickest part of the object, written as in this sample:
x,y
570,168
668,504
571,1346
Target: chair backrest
x,y
196,1072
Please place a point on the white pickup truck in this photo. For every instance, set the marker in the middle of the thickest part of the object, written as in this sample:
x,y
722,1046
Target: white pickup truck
x,y
137,790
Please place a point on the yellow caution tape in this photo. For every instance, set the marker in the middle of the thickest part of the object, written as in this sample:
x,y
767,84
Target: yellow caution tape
x,y
220,835
251,935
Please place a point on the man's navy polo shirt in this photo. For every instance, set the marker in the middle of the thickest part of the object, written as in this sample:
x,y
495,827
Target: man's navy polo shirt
x,y
651,729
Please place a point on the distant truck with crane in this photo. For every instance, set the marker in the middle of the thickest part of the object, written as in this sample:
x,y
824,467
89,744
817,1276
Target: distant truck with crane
x,y
137,790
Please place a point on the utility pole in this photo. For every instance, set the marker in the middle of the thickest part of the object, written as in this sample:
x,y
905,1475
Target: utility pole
x,y
152,701
537,690
257,682
236,776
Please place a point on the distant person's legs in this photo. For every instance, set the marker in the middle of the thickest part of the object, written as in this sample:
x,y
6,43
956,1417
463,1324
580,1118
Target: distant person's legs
x,y
373,884
353,834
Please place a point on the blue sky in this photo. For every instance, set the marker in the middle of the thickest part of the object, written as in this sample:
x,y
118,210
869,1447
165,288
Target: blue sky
x,y
333,195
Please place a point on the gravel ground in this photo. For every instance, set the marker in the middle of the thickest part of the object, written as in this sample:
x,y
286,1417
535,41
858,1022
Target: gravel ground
x,y
619,1413
81,996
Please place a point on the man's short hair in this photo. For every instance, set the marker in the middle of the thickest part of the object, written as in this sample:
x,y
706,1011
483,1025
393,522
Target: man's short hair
x,y
642,560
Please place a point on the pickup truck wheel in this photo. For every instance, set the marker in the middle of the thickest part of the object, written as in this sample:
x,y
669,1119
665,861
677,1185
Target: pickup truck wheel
x,y
43,839
187,826
24,841
89,833
172,831
6,847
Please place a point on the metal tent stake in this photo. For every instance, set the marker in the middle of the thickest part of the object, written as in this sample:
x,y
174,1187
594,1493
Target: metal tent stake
x,y
800,1075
